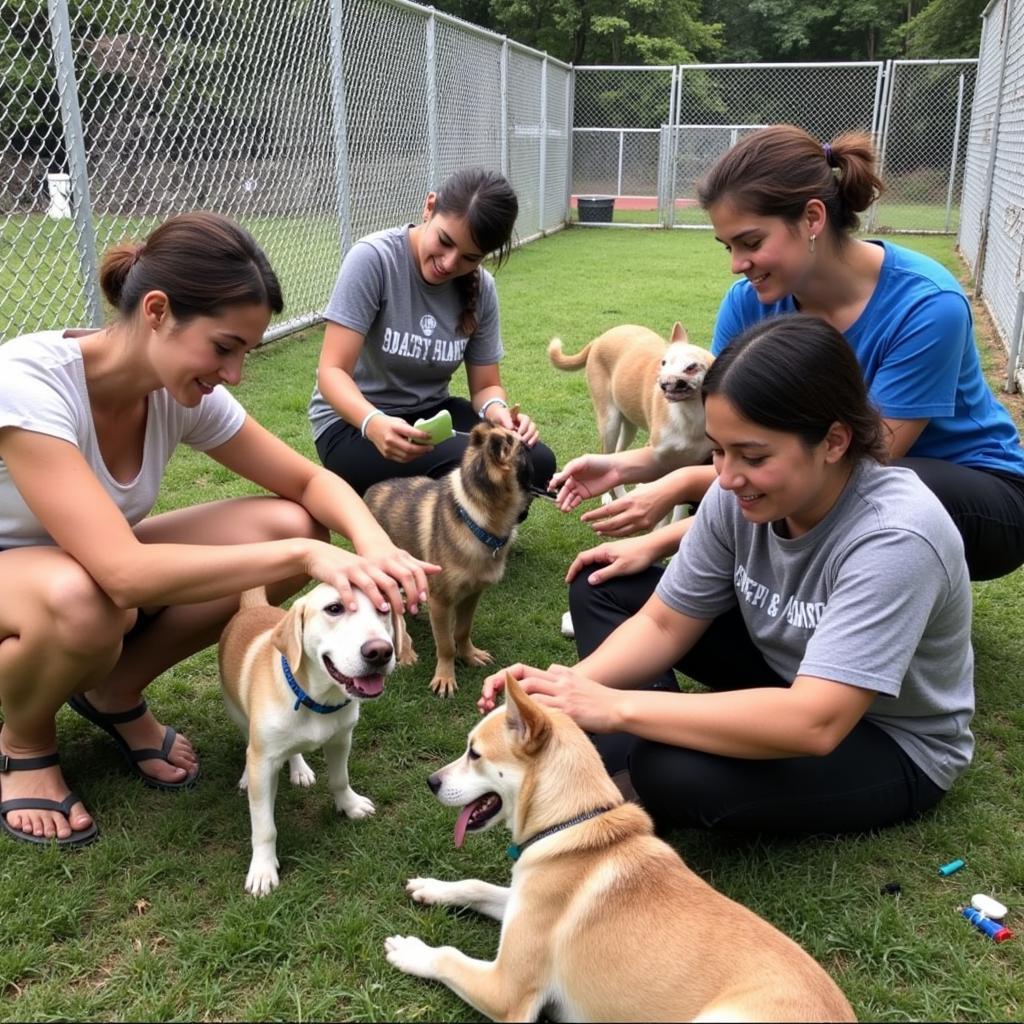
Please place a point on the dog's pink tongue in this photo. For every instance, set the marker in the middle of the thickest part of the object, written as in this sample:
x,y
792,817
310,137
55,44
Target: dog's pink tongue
x,y
369,686
462,822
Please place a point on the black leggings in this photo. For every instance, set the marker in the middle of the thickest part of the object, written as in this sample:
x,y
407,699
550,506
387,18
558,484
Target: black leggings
x,y
343,450
987,508
865,783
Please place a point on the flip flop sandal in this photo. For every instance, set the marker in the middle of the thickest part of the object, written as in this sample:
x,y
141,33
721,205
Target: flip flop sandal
x,y
78,837
108,723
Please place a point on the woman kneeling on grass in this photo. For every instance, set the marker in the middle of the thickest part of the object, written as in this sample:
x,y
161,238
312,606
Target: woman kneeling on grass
x,y
97,600
821,595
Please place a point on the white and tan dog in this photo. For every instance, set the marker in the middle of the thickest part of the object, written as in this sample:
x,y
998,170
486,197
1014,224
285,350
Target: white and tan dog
x,y
293,682
603,921
636,381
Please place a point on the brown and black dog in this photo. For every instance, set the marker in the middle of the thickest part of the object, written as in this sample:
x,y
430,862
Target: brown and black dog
x,y
465,522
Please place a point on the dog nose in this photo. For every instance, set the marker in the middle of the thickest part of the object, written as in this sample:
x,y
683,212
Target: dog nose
x,y
376,652
434,782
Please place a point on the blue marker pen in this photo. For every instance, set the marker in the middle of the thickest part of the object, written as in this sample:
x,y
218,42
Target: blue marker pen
x,y
953,865
995,930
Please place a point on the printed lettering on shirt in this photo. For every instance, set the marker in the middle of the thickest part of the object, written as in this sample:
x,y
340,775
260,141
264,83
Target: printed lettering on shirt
x,y
801,614
415,346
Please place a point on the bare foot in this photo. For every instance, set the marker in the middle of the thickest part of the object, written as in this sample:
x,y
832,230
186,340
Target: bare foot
x,y
39,784
146,732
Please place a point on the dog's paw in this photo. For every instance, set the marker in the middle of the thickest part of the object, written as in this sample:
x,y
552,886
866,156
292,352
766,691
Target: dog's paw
x,y
352,805
476,656
410,954
444,686
428,891
299,773
408,656
262,878
243,782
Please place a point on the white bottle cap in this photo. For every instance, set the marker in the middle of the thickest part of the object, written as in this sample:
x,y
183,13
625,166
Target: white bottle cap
x,y
992,909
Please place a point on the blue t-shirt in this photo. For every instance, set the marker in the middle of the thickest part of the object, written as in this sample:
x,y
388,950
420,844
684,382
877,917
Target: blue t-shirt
x,y
915,344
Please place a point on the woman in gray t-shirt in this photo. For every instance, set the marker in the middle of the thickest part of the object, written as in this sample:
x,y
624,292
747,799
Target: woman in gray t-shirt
x,y
821,595
410,306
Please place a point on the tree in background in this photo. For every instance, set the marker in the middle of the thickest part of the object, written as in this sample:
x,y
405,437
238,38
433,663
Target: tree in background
x,y
734,31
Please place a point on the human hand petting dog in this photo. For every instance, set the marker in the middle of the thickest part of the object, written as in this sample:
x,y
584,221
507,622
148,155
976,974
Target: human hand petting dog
x,y
593,707
640,510
512,419
382,576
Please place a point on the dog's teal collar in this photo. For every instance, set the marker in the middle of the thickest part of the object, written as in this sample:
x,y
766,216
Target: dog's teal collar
x,y
494,543
303,699
515,851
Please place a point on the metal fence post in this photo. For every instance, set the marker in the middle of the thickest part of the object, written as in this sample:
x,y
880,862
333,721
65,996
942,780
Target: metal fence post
x,y
882,130
74,139
543,143
1014,356
504,106
570,117
431,77
340,123
956,148
986,206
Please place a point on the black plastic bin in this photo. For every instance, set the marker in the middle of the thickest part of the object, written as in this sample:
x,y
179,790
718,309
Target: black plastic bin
x,y
595,209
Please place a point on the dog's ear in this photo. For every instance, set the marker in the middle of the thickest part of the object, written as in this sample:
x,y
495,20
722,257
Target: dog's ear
x,y
679,333
525,718
287,635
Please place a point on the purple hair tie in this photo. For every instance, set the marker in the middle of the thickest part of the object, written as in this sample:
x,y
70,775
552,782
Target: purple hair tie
x,y
827,148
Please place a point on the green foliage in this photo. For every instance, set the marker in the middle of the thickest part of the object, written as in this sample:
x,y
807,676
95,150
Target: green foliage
x,y
945,28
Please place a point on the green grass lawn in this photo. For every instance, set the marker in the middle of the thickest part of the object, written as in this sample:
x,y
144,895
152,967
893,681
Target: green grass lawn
x,y
151,922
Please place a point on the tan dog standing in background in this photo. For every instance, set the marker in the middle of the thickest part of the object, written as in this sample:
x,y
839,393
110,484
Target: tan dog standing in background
x,y
603,921
293,682
637,382
465,522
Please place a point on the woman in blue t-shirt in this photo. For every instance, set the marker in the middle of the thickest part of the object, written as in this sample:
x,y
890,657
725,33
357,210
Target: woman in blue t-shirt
x,y
786,209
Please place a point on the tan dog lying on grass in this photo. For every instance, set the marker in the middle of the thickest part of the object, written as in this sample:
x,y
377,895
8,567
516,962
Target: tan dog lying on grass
x,y
636,381
602,921
293,682
465,522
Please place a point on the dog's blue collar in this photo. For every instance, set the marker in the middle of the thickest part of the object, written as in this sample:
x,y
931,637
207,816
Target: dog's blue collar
x,y
516,850
494,543
303,699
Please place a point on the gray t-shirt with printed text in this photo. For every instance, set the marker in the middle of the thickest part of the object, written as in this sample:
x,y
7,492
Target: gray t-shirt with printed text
x,y
876,596
412,344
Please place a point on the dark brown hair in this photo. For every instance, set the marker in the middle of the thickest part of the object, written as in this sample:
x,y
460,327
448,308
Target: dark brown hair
x,y
201,261
489,205
797,374
776,171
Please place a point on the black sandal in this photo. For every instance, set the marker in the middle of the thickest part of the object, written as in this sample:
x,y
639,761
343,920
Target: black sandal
x,y
108,722
78,837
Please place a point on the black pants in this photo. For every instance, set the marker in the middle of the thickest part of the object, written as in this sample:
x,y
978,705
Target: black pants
x,y
987,508
343,450
865,783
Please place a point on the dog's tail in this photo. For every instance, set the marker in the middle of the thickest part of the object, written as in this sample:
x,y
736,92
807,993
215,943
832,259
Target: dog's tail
x,y
562,361
254,598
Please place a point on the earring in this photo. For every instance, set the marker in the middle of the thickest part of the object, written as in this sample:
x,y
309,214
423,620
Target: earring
x,y
813,237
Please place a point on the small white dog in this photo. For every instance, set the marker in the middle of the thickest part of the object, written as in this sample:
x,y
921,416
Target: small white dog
x,y
293,681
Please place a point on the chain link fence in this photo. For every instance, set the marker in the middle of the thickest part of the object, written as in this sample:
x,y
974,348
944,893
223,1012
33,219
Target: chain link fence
x,y
311,123
646,136
991,232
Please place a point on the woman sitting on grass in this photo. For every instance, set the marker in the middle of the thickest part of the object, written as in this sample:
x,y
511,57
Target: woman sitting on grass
x,y
97,599
411,305
786,209
821,595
